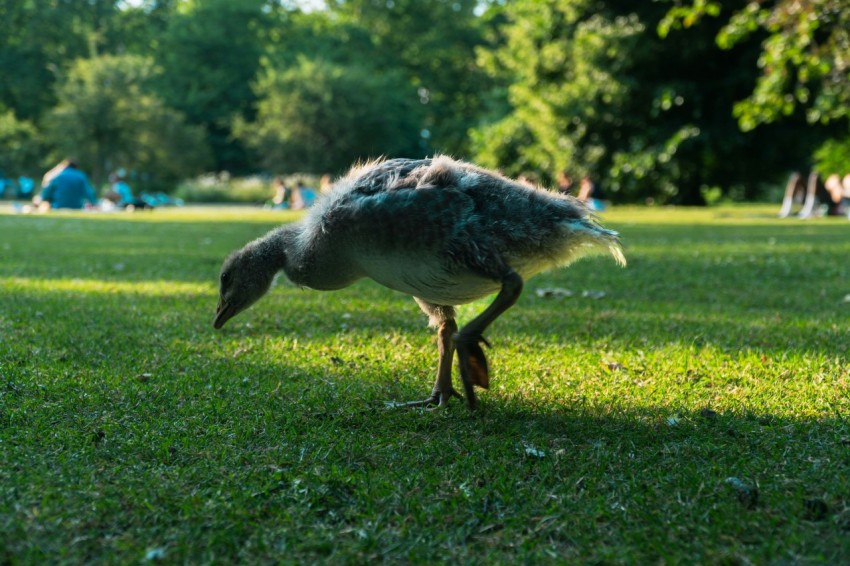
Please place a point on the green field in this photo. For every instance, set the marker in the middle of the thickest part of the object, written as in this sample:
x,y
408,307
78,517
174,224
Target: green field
x,y
697,412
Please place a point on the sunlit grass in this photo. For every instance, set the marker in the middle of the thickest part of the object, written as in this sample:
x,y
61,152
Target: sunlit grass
x,y
98,286
131,430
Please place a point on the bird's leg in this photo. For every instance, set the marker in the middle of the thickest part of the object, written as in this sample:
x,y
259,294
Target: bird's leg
x,y
443,390
473,363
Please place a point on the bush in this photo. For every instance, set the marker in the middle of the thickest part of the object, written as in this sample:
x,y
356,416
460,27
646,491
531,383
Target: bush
x,y
222,188
833,157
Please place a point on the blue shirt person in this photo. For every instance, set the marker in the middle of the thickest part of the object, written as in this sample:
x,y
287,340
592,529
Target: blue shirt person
x,y
124,192
25,187
69,189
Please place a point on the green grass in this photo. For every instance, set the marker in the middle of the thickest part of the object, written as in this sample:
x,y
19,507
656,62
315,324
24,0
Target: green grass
x,y
130,431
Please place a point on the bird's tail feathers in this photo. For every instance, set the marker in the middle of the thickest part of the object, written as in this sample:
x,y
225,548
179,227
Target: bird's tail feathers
x,y
617,251
595,236
612,238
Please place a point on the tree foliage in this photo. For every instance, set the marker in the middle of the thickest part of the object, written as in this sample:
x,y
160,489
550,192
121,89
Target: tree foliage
x,y
318,116
37,39
593,89
108,117
805,58
20,145
562,70
833,157
433,43
638,94
210,54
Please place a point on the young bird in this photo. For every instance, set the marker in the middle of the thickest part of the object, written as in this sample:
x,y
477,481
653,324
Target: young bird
x,y
443,231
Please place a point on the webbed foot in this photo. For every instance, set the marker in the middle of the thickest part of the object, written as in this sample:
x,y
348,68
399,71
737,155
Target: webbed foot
x,y
437,398
473,365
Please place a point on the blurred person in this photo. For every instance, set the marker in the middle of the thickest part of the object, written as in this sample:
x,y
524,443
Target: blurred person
x,y
797,193
839,194
565,183
282,194
25,187
67,187
121,194
302,196
815,196
308,194
325,184
55,170
590,194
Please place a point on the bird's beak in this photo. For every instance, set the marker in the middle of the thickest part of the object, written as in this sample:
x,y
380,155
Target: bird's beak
x,y
223,313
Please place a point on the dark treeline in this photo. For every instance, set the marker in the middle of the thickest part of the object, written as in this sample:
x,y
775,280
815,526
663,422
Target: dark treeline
x,y
659,100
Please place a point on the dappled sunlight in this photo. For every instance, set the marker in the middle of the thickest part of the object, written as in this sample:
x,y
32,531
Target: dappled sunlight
x,y
728,215
691,408
98,286
209,213
184,214
643,388
682,366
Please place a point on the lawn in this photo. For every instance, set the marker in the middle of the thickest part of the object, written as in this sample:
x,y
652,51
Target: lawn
x,y
693,408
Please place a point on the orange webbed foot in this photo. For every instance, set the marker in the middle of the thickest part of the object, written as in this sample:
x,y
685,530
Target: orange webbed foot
x,y
473,365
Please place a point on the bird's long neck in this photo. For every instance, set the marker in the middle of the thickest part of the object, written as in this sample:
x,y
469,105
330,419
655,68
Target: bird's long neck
x,y
307,259
273,250
283,250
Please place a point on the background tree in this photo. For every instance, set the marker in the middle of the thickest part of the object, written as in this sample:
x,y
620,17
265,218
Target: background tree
x,y
320,117
594,89
637,94
433,42
139,26
805,58
20,146
804,67
210,54
38,39
559,66
108,117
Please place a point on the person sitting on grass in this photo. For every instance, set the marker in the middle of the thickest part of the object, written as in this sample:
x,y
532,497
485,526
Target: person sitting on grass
x,y
25,187
831,196
121,194
282,194
68,188
302,196
839,194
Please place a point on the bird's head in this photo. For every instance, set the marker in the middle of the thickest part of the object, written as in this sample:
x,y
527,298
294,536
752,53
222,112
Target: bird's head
x,y
244,279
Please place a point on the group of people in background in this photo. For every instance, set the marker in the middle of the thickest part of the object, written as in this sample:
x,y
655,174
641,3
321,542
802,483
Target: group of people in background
x,y
21,187
589,192
827,197
65,186
121,195
299,196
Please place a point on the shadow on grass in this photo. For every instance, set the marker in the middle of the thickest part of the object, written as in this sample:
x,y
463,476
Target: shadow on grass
x,y
732,319
773,289
131,421
128,422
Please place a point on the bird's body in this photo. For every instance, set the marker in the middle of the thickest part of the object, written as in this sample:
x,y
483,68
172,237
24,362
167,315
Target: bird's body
x,y
440,230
